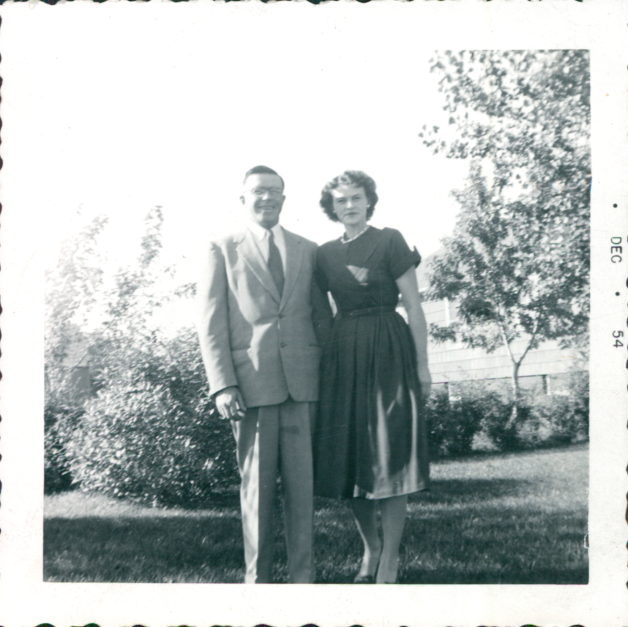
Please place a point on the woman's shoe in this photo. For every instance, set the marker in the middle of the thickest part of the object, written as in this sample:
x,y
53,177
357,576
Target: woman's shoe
x,y
366,577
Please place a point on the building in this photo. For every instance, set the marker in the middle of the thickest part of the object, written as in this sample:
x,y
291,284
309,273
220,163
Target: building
x,y
545,368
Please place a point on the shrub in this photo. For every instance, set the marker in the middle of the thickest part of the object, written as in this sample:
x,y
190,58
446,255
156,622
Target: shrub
x,y
488,402
436,418
59,423
481,412
543,420
147,433
497,423
557,419
451,425
578,390
478,411
134,440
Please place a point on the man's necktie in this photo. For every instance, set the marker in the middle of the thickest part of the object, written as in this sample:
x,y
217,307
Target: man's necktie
x,y
274,262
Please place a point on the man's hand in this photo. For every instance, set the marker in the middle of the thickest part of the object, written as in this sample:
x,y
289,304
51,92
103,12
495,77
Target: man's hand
x,y
230,404
425,379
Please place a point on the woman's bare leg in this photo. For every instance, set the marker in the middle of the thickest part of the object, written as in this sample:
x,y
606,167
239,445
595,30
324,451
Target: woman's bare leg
x,y
393,511
365,514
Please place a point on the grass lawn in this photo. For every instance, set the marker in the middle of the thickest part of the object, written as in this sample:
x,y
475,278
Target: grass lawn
x,y
507,518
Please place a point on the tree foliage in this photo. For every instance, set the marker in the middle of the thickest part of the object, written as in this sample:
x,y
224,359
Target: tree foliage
x,y
71,292
147,430
517,264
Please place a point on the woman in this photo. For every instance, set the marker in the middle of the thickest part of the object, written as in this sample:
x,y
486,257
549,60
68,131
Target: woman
x,y
369,441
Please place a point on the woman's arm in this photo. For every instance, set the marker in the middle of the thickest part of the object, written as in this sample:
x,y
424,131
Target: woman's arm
x,y
409,289
321,314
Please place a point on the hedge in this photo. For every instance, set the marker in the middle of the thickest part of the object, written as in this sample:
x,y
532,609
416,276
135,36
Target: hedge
x,y
134,441
139,440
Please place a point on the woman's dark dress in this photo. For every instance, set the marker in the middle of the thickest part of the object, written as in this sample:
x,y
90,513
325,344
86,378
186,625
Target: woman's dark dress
x,y
369,439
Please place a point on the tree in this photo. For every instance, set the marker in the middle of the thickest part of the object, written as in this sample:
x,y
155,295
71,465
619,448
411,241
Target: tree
x,y
71,291
518,262
146,432
72,286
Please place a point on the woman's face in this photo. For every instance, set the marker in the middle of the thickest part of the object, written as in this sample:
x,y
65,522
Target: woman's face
x,y
350,205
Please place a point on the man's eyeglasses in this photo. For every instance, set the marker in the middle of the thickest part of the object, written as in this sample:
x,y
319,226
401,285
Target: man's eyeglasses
x,y
273,192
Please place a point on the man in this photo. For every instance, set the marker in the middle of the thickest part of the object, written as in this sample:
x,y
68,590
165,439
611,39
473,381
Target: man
x,y
261,354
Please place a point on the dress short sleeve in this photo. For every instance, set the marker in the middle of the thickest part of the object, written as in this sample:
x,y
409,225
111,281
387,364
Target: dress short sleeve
x,y
400,255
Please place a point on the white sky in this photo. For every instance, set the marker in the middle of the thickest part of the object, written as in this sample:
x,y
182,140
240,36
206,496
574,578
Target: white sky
x,y
123,105
115,123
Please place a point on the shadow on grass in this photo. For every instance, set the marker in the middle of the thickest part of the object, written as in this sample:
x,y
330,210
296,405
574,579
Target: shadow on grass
x,y
539,450
143,549
460,533
465,531
461,491
495,546
463,545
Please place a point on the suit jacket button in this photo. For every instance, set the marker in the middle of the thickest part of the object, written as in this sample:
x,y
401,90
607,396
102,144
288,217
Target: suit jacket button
x,y
282,345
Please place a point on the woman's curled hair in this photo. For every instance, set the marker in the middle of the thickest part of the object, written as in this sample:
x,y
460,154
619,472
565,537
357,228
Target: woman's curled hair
x,y
349,177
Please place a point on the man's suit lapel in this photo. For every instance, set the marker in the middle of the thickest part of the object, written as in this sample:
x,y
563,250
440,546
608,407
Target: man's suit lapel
x,y
294,260
254,260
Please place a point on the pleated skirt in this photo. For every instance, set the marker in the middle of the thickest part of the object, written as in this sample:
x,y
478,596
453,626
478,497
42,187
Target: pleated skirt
x,y
369,436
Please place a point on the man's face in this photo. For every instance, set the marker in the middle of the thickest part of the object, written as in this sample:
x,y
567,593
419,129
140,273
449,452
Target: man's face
x,y
263,198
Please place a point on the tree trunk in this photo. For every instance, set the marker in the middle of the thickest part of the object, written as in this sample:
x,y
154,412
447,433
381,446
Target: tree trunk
x,y
516,394
514,378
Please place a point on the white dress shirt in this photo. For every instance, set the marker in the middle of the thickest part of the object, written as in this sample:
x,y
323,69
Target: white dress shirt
x,y
260,234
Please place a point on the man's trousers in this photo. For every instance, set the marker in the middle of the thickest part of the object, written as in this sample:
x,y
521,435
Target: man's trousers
x,y
270,439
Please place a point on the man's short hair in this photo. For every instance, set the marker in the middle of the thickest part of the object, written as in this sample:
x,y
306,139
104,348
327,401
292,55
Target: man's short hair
x,y
262,169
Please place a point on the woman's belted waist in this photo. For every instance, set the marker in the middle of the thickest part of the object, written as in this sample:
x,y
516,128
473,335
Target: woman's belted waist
x,y
366,311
